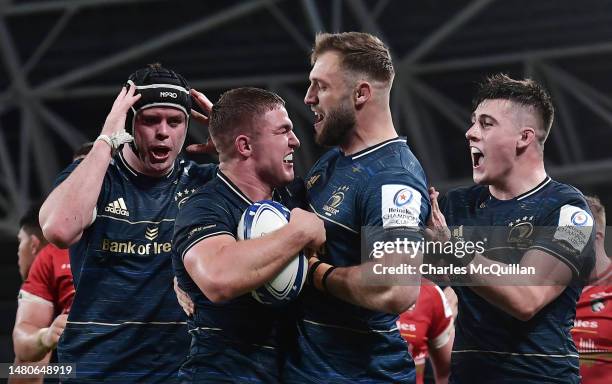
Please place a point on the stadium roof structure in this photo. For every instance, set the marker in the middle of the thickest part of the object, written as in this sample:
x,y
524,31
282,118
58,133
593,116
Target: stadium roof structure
x,y
63,61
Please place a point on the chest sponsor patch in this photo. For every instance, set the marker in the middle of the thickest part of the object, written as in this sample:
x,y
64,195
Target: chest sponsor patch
x,y
401,206
574,227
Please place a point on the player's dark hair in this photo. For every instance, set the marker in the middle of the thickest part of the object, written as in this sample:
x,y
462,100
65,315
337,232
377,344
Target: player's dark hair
x,y
29,221
525,92
235,112
361,53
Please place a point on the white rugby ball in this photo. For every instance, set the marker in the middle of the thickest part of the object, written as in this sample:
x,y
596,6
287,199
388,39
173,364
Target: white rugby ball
x,y
259,219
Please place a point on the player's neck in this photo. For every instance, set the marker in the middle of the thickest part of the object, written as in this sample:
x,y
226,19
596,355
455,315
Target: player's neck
x,y
247,181
370,129
519,181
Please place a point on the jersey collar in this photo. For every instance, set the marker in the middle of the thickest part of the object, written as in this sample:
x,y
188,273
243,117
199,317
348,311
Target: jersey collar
x,y
534,190
367,151
228,183
486,194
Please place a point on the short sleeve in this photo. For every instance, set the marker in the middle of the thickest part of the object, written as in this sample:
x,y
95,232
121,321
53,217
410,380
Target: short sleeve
x,y
396,201
40,278
567,234
441,318
199,218
63,175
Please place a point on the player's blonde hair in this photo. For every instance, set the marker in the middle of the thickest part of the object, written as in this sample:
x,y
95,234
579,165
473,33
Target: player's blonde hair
x,y
360,52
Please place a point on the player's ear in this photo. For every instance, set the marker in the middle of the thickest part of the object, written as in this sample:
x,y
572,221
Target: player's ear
x,y
526,138
243,145
363,92
35,244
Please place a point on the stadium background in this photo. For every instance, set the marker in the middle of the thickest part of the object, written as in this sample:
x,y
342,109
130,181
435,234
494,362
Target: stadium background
x,y
64,60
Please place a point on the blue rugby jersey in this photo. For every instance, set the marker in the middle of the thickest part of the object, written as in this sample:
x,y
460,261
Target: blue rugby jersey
x,y
490,345
239,339
125,324
382,186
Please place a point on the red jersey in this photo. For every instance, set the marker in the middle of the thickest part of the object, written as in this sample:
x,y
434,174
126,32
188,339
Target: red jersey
x,y
427,323
50,279
592,332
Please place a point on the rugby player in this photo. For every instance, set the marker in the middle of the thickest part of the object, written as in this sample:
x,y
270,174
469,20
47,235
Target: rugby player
x,y
44,297
428,328
235,338
508,332
347,327
592,330
116,210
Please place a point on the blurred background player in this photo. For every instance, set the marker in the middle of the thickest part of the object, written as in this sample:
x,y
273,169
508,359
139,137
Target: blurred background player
x,y
592,330
48,291
427,326
116,209
44,297
31,240
347,329
235,338
505,332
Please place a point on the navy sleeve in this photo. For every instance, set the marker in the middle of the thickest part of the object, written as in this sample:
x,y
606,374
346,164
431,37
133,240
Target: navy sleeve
x,y
63,175
566,233
199,218
396,201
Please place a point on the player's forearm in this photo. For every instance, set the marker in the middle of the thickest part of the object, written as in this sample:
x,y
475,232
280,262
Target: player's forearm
x,y
69,208
347,283
521,302
243,266
441,358
27,341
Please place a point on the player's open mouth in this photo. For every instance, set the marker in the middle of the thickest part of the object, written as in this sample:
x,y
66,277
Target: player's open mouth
x,y
318,117
477,157
288,159
160,153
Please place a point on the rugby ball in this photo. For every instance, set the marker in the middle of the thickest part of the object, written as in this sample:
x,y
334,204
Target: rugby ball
x,y
264,217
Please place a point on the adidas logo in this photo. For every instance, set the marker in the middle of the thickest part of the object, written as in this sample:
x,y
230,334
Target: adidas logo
x,y
117,207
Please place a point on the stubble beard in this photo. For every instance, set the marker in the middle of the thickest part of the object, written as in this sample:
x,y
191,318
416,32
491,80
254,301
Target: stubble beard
x,y
339,125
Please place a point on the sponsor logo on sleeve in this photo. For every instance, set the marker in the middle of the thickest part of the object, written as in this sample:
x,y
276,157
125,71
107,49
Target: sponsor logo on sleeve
x,y
574,227
401,206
